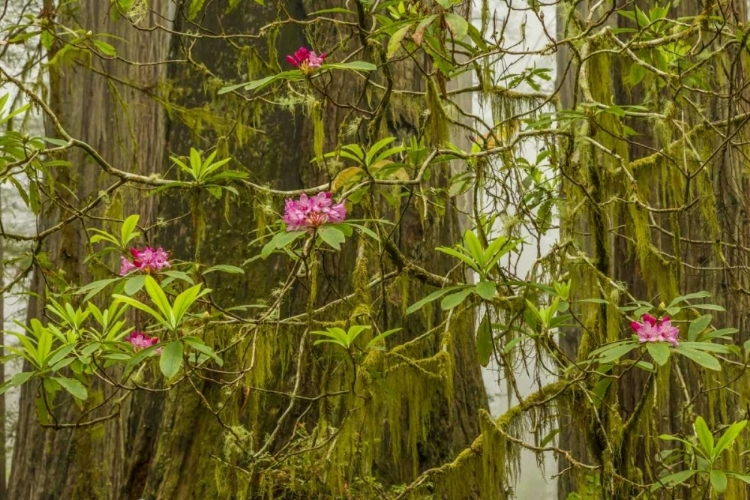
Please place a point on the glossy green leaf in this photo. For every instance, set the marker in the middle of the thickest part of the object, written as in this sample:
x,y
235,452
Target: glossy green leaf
x,y
333,236
73,386
486,289
431,297
718,480
454,299
705,438
134,285
484,340
171,359
659,351
698,326
353,65
727,439
224,268
702,358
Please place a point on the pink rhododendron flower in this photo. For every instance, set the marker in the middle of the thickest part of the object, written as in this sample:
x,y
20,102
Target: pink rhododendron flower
x,y
140,340
312,212
650,329
145,260
126,266
305,59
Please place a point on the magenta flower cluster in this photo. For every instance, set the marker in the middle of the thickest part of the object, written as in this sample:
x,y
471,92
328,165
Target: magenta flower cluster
x,y
146,260
305,59
312,212
140,340
650,329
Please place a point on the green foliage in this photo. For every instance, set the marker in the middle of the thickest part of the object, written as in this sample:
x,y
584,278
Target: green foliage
x,y
635,160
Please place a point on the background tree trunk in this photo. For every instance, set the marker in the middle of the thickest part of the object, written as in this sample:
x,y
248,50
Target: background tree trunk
x,y
659,277
170,446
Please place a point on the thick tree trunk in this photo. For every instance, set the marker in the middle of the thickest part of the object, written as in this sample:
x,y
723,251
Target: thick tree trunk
x,y
698,264
171,446
128,127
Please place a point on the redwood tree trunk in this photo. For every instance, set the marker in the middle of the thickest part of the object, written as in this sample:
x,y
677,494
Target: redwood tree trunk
x,y
698,264
169,445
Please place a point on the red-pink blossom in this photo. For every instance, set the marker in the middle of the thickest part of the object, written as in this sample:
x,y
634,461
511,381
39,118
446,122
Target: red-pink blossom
x,y
145,260
650,329
312,212
140,340
305,59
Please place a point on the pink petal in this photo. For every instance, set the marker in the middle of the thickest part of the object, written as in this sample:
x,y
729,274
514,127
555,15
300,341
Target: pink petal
x,y
291,60
649,319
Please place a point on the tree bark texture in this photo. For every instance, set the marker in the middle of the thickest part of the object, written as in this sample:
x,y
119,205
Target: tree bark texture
x,y
697,264
168,445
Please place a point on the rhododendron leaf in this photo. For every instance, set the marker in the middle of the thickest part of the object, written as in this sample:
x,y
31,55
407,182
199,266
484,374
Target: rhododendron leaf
x,y
171,359
727,439
355,331
183,302
594,301
334,237
705,438
484,340
381,337
457,25
720,333
335,335
673,479
486,289
395,41
708,307
616,352
159,298
95,287
141,355
474,246
134,285
60,353
354,65
103,236
17,380
224,268
377,147
344,227
702,358
231,88
659,351
418,35
195,8
741,477
431,297
690,296
344,177
199,346
143,307
280,240
454,299
333,10
180,276
127,231
698,326
455,253
707,346
73,386
718,480
365,230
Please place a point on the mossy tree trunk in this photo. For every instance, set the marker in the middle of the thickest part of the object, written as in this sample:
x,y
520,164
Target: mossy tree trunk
x,y
660,254
169,445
